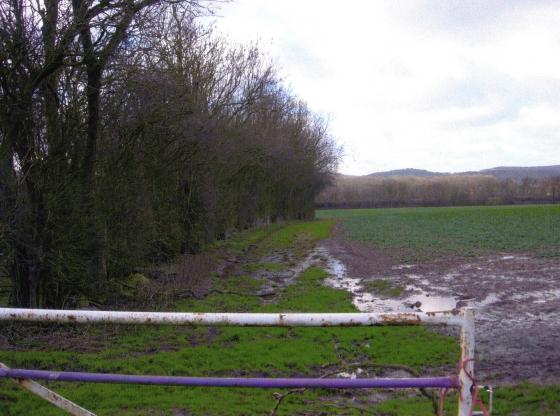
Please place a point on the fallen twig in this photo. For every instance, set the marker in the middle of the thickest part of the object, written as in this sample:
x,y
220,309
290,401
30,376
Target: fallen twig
x,y
281,396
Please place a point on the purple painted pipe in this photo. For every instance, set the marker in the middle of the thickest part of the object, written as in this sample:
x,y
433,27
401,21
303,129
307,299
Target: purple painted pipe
x,y
325,383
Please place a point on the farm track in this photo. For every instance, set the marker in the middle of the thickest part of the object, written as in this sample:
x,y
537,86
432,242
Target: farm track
x,y
517,298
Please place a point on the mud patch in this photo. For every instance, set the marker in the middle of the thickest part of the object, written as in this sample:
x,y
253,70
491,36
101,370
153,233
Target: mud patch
x,y
415,297
517,297
273,282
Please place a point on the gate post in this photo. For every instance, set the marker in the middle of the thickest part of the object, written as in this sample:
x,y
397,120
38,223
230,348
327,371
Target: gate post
x,y
466,372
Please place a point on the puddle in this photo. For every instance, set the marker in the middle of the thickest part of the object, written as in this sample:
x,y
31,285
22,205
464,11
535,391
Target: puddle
x,y
538,296
513,294
516,297
415,298
403,266
489,300
351,375
513,257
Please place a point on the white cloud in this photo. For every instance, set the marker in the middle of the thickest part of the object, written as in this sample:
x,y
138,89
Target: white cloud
x,y
446,86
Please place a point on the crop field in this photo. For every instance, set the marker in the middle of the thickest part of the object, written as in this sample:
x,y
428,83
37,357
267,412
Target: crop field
x,y
502,260
256,256
469,231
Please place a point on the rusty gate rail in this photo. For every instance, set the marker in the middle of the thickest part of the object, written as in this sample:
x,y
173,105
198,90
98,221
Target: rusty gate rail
x,y
464,318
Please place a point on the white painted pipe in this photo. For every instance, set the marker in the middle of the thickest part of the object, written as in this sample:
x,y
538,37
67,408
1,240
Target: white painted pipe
x,y
466,372
458,317
454,317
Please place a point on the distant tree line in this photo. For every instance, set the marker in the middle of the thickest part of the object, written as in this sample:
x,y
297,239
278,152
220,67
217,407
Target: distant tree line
x,y
374,192
129,134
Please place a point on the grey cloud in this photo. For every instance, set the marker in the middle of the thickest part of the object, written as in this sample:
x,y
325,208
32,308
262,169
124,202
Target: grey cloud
x,y
471,16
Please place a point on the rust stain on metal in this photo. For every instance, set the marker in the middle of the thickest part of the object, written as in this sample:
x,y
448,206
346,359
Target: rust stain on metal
x,y
239,319
400,319
455,380
453,312
460,317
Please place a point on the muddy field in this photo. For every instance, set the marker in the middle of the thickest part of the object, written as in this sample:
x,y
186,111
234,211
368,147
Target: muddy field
x,y
517,299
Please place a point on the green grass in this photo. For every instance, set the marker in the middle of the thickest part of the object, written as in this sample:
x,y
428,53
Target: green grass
x,y
227,351
269,267
522,400
299,237
525,399
383,288
235,351
276,236
468,231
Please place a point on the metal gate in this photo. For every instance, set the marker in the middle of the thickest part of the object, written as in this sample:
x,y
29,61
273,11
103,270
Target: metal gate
x,y
463,381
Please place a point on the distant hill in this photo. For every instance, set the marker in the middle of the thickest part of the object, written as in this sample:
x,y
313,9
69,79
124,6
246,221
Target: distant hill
x,y
517,173
407,172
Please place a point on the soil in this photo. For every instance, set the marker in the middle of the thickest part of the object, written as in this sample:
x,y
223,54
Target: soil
x,y
517,296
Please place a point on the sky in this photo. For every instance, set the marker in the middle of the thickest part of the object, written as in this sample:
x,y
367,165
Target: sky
x,y
449,86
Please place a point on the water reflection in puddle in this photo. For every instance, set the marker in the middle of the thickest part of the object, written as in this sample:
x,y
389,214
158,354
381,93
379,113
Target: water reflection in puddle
x,y
417,299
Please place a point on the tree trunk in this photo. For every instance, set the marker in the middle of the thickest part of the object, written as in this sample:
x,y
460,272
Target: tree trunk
x,y
98,232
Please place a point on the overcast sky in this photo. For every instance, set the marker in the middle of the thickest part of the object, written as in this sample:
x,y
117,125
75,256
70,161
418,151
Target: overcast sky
x,y
440,85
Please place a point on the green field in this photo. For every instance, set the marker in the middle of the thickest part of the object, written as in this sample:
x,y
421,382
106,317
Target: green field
x,y
271,352
469,231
